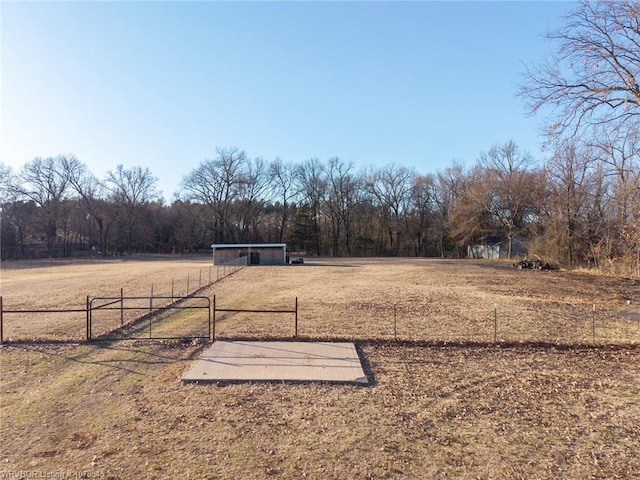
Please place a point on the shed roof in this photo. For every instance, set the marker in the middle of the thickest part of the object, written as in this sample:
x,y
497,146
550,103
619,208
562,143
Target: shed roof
x,y
248,245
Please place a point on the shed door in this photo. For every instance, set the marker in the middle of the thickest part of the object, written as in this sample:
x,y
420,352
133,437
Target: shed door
x,y
255,258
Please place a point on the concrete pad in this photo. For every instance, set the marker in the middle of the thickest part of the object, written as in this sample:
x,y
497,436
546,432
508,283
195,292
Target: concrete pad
x,y
239,361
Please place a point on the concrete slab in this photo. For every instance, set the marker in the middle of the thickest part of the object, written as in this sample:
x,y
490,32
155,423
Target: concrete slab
x,y
240,361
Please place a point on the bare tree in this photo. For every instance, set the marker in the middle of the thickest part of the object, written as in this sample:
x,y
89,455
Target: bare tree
x,y
391,188
251,193
511,188
9,225
618,152
187,229
618,149
420,215
312,182
469,217
215,183
571,173
450,188
631,231
342,188
593,77
92,196
45,182
283,180
502,197
131,192
6,180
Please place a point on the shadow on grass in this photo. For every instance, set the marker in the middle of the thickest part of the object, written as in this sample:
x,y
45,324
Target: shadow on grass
x,y
330,265
132,352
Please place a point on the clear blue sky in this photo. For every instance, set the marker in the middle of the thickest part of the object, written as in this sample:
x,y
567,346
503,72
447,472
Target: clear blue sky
x,y
162,84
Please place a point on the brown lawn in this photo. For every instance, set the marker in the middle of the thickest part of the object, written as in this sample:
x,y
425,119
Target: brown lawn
x,y
445,402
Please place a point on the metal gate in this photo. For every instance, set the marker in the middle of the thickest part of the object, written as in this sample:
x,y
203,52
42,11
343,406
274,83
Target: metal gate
x,y
121,318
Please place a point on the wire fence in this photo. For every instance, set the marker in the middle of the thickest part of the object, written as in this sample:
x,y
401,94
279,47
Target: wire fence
x,y
275,322
529,322
122,313
386,320
195,316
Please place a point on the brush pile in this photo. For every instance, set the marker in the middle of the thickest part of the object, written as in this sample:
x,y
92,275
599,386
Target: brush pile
x,y
536,264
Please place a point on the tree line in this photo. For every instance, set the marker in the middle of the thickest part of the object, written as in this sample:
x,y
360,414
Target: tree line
x,y
581,206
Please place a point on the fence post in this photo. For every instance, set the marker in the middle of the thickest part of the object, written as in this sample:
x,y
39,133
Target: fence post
x,y
209,318
151,301
121,306
172,290
213,327
296,333
88,333
209,275
1,319
187,286
200,279
495,323
593,324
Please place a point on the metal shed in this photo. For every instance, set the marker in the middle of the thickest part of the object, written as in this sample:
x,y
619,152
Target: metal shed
x,y
249,253
497,246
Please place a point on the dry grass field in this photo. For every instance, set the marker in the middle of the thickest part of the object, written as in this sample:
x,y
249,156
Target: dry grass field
x,y
51,285
445,401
